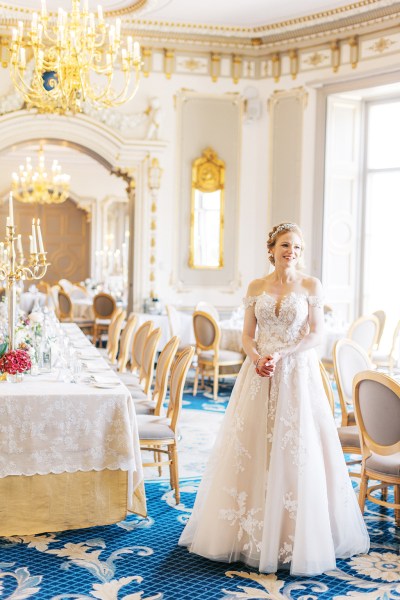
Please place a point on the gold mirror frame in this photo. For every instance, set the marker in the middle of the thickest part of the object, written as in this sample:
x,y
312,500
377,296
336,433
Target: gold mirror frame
x,y
208,175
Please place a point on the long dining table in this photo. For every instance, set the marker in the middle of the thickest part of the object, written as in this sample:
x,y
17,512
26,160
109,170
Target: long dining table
x,y
69,450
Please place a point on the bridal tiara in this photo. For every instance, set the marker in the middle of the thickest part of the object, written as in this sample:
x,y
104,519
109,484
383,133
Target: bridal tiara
x,y
283,227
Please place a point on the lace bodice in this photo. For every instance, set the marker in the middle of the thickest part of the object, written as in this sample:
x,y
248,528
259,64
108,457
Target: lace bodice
x,y
281,322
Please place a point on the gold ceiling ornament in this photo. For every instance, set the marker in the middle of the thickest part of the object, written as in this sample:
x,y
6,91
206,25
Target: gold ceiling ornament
x,y
76,57
36,185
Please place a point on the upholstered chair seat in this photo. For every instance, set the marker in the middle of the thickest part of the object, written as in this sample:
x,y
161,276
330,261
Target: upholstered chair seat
x,y
349,436
156,428
145,407
388,465
223,356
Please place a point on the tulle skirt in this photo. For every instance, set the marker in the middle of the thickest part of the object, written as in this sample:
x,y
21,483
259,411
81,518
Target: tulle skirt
x,y
276,492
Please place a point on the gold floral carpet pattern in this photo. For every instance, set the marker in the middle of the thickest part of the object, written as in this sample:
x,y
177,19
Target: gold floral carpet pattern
x,y
138,559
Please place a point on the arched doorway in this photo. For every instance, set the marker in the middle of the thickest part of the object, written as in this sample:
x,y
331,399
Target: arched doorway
x,y
117,155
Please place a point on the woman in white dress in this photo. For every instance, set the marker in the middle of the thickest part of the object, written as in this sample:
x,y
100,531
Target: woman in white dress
x,y
276,492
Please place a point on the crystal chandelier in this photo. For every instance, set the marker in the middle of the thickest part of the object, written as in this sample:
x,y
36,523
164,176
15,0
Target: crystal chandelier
x,y
76,59
37,186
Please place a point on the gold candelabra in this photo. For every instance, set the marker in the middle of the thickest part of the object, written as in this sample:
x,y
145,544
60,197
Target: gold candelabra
x,y
14,266
37,185
75,60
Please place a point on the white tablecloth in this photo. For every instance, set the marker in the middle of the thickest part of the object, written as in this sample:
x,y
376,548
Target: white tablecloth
x,y
49,426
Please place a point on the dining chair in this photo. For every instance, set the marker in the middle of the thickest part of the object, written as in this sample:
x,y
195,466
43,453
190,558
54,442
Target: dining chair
x,y
160,434
110,352
65,313
348,359
210,358
148,360
139,341
125,343
377,408
66,285
381,316
153,406
349,435
389,361
209,308
365,331
104,306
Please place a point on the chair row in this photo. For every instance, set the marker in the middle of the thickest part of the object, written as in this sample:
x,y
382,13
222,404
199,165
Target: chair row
x,y
157,433
372,431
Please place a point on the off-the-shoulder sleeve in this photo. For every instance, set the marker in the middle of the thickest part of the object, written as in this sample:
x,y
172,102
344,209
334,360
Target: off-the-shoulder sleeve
x,y
249,301
316,301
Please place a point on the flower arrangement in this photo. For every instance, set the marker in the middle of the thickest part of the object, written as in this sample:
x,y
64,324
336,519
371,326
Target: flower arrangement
x,y
15,361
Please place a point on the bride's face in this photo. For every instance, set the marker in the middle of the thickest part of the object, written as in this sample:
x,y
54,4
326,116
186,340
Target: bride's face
x,y
287,249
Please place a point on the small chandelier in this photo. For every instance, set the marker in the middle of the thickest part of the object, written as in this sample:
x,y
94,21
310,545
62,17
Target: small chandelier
x,y
76,58
37,186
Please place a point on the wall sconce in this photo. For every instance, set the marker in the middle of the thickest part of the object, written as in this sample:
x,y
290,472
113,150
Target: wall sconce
x,y
154,175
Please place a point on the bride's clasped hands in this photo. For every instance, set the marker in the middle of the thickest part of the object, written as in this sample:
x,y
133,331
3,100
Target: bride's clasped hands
x,y
265,365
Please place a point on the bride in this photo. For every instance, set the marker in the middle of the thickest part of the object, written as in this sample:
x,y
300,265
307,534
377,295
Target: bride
x,y
276,492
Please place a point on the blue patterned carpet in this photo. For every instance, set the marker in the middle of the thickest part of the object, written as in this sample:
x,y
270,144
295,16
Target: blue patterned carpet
x,y
138,559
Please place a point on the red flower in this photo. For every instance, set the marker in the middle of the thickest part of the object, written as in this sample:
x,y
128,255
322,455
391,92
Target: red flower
x,y
15,361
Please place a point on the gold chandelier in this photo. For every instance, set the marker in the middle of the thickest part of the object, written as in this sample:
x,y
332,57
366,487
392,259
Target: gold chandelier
x,y
76,57
37,186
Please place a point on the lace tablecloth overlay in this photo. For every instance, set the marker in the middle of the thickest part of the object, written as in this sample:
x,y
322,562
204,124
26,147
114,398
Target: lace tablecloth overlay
x,y
49,426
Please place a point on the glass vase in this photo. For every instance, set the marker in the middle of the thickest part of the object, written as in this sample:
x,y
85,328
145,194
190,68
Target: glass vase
x,y
15,377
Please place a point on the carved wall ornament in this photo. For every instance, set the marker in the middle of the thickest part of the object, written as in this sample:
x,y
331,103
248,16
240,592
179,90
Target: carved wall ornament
x,y
381,45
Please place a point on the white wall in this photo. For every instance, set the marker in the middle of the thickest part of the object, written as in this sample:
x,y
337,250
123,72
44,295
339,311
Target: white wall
x,y
254,177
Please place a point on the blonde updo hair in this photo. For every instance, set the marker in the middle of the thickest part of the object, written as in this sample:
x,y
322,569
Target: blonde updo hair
x,y
280,230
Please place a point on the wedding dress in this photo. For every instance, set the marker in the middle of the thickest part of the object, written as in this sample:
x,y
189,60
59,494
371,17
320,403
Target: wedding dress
x,y
276,492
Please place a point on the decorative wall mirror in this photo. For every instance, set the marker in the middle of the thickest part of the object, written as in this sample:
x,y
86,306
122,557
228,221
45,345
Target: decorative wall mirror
x,y
207,212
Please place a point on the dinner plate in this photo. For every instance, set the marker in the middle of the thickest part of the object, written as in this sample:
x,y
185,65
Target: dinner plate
x,y
105,385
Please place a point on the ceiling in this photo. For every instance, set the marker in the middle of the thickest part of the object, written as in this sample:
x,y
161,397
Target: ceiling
x,y
224,13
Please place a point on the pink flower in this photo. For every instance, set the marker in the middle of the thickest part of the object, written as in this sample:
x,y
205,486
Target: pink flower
x,y
15,361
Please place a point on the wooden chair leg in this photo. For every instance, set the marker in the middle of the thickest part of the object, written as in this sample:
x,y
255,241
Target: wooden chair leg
x,y
384,493
397,501
196,380
216,373
174,470
157,459
363,491
94,340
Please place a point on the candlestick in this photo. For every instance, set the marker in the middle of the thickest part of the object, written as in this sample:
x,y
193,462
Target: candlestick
x,y
19,244
34,246
13,266
39,235
11,209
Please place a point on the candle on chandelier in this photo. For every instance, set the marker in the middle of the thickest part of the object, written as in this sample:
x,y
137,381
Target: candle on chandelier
x,y
30,245
39,235
11,209
34,245
19,245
